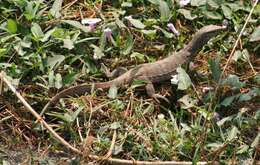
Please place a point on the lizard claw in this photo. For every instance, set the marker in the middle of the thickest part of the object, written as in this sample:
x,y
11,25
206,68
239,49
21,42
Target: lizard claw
x,y
158,96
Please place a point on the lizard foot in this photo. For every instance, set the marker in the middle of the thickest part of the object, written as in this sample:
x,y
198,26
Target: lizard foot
x,y
158,96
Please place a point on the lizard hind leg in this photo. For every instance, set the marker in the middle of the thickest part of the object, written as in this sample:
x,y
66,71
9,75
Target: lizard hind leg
x,y
151,92
115,73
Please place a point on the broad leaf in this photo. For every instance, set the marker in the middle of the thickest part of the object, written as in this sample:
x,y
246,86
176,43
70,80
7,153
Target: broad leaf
x,y
213,15
184,79
37,31
226,11
232,134
187,14
215,68
166,34
55,9
228,101
129,43
127,4
255,142
233,81
112,93
115,125
55,61
255,36
58,81
214,3
73,115
47,35
136,23
164,10
198,2
138,56
67,43
11,26
98,52
78,25
187,102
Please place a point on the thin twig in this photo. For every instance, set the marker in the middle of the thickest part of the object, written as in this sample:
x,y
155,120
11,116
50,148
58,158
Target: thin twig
x,y
232,52
109,153
236,43
35,114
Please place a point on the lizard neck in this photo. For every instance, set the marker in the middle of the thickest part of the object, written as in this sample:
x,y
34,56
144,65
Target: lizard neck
x,y
201,38
195,45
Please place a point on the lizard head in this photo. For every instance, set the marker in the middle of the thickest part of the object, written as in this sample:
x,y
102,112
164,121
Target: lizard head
x,y
202,37
207,32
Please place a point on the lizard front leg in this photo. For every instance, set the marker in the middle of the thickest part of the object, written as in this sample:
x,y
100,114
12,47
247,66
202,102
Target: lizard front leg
x,y
151,92
115,73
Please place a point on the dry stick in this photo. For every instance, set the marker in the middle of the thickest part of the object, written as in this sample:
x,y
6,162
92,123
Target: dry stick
x,y
233,51
66,144
109,153
39,118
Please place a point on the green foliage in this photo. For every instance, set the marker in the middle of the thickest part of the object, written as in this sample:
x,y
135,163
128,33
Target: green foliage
x,y
45,47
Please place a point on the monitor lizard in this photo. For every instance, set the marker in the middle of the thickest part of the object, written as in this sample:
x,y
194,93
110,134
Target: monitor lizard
x,y
150,73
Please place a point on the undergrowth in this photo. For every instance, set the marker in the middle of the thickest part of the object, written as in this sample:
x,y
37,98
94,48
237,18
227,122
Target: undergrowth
x,y
45,46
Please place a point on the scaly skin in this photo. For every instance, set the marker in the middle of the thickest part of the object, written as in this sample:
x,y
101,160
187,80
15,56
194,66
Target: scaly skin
x,y
150,72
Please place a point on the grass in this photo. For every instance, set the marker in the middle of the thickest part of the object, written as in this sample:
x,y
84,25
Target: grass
x,y
44,48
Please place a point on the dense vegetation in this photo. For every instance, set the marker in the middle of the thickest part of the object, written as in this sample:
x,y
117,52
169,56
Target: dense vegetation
x,y
46,46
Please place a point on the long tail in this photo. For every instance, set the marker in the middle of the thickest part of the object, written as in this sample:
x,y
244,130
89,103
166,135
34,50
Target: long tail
x,y
75,91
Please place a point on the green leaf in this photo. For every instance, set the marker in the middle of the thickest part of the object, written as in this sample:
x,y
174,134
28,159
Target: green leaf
x,y
255,36
31,9
214,3
74,115
11,26
128,44
187,14
164,10
166,34
139,56
226,11
47,35
242,149
257,78
51,79
149,33
127,4
237,55
112,93
213,15
187,102
233,81
67,43
224,120
37,31
55,60
215,68
69,78
228,100
184,79
234,6
58,81
198,2
255,142
55,9
115,125
136,23
98,52
78,25
232,134
245,97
